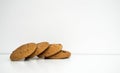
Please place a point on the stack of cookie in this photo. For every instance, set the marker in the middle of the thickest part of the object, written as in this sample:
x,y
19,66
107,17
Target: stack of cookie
x,y
41,50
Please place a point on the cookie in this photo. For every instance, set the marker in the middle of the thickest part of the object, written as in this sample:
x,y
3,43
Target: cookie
x,y
40,48
23,51
60,55
51,50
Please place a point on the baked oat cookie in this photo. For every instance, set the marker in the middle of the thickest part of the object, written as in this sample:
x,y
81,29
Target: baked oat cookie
x,y
60,55
42,46
23,51
51,50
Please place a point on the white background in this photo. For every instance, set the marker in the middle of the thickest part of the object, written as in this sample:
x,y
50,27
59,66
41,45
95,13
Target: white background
x,y
82,26
90,29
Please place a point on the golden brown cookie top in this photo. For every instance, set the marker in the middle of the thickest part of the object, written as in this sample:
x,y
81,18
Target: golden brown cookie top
x,y
51,50
23,51
42,46
61,55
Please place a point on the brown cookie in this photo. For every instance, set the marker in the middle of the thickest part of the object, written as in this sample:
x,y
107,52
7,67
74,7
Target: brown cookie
x,y
51,50
23,51
40,48
60,55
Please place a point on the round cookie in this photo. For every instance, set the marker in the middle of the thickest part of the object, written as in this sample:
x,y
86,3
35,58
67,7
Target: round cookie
x,y
40,48
23,51
51,50
60,55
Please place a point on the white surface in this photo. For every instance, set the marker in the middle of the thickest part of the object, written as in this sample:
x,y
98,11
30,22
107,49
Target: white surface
x,y
75,64
82,26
